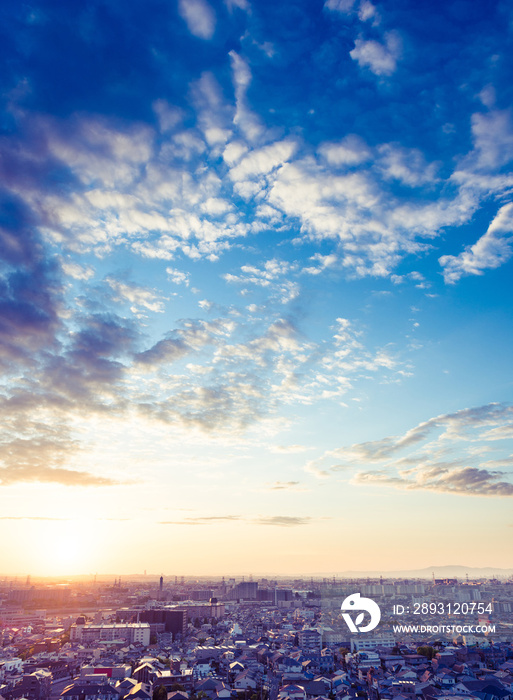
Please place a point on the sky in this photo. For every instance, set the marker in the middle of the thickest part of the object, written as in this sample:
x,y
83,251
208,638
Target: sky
x,y
255,286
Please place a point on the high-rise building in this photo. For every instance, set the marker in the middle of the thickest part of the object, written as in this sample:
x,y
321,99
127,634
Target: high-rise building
x,y
245,590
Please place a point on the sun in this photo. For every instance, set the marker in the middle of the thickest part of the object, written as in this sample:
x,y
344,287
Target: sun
x,y
65,548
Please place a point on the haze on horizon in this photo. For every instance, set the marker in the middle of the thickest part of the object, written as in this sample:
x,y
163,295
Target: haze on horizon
x,y
256,276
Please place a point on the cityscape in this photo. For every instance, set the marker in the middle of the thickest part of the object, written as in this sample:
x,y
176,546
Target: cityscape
x,y
173,638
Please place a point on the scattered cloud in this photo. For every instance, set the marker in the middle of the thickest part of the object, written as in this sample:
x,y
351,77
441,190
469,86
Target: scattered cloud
x,y
29,517
138,297
275,520
78,272
466,435
241,4
350,151
283,520
199,17
177,276
289,449
491,251
245,119
66,477
407,166
223,174
367,11
342,6
204,520
283,485
493,139
468,481
381,59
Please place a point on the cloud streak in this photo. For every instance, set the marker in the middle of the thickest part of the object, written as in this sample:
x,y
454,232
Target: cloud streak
x,y
466,435
468,481
491,251
274,520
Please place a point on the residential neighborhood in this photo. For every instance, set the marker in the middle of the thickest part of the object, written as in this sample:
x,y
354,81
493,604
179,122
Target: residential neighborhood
x,y
252,640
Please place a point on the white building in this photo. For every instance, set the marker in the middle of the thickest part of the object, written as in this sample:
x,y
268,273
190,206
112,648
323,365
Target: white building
x,y
386,639
367,659
131,632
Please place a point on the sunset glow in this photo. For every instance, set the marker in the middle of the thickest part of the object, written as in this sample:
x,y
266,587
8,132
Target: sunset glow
x,y
256,276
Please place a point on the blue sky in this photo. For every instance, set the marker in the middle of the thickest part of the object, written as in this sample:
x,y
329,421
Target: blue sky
x,y
256,285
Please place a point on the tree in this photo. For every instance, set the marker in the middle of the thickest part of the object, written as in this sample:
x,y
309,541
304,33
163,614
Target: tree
x,y
426,651
160,693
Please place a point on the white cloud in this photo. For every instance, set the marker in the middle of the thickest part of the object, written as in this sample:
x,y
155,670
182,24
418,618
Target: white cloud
x,y
263,160
138,297
168,116
270,276
381,59
215,206
241,4
493,139
288,449
348,208
214,115
488,96
234,152
368,11
245,119
177,276
492,250
97,152
342,6
78,272
352,150
199,17
407,165
152,193
323,263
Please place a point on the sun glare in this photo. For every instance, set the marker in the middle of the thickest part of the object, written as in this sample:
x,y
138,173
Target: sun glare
x,y
63,549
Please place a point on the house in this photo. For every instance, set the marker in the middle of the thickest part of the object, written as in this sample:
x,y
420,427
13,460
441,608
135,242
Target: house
x,y
294,692
245,681
32,686
125,686
145,673
314,688
141,691
90,691
208,686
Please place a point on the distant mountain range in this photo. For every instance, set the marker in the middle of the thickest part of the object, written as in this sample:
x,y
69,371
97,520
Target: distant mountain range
x,y
449,571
